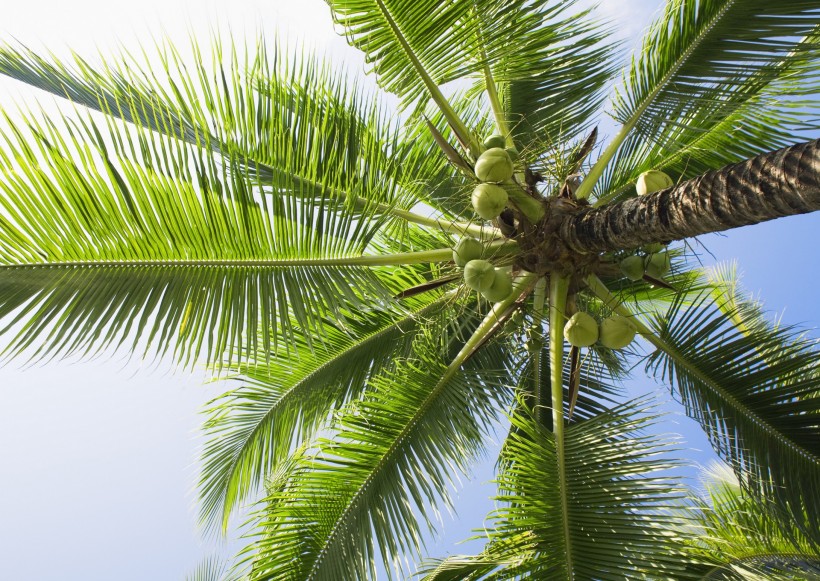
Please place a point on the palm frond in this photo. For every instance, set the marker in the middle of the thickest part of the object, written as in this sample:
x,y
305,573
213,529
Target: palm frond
x,y
767,114
738,537
752,387
704,55
156,236
552,76
621,504
291,122
285,400
212,568
360,497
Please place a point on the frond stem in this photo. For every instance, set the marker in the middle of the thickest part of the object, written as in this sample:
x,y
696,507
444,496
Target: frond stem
x,y
500,247
559,286
536,347
495,102
529,206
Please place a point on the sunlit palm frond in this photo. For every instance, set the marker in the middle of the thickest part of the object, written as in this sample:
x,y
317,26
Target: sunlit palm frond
x,y
365,495
752,387
739,538
285,400
159,243
293,122
620,520
212,569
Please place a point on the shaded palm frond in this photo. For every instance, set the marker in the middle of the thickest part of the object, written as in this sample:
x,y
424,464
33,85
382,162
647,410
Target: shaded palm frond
x,y
739,537
621,517
753,388
365,495
285,400
764,116
426,169
551,81
704,70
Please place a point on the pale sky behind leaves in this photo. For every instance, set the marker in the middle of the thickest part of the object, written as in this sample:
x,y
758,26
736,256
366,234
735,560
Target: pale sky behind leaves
x,y
98,459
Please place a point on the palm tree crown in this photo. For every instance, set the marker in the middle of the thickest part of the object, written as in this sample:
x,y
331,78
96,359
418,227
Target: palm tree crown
x,y
273,221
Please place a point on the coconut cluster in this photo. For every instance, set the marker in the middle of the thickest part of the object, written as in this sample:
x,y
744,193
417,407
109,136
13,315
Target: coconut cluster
x,y
655,263
492,168
615,332
481,275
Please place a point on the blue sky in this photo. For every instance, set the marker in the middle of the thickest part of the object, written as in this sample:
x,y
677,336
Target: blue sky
x,y
98,458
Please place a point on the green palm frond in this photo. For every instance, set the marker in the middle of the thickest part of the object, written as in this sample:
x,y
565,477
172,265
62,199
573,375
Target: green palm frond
x,y
621,509
158,237
702,59
752,387
292,122
359,498
739,538
212,569
766,115
550,82
284,402
700,63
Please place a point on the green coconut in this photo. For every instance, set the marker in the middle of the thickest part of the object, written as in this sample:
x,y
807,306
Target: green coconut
x,y
494,165
657,265
489,200
617,332
512,152
581,330
632,267
652,181
479,275
495,141
501,288
466,250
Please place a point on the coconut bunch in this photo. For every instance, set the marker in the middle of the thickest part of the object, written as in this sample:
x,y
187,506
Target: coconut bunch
x,y
654,262
615,332
492,168
494,284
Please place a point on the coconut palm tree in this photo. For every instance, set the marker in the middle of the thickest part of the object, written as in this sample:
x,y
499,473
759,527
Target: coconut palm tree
x,y
268,218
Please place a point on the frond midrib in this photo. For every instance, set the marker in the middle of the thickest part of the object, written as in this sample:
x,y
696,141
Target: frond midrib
x,y
361,260
603,293
741,408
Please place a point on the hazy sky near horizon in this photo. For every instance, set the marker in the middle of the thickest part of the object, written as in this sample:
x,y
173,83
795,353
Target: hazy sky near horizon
x,y
98,458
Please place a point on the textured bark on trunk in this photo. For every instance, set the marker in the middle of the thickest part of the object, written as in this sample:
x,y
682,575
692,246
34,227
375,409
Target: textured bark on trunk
x,y
781,183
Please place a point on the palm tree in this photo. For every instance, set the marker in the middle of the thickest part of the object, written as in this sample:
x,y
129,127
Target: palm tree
x,y
270,219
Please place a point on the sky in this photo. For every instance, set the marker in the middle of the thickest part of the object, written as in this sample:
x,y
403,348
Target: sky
x,y
98,458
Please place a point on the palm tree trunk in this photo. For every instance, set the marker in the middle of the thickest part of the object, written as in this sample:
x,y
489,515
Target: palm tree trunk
x,y
781,183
